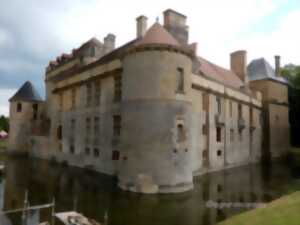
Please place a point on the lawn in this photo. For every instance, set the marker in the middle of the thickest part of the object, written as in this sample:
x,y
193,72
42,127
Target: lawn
x,y
3,144
283,211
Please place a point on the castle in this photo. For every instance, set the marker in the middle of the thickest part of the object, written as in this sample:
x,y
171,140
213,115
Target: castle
x,y
152,112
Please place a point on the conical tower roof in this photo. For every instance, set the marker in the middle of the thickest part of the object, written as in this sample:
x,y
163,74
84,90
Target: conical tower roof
x,y
26,93
157,34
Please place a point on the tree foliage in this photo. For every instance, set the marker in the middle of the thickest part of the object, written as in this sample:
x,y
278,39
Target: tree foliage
x,y
4,123
292,73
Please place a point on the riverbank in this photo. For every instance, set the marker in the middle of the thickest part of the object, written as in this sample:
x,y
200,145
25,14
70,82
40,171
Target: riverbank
x,y
284,210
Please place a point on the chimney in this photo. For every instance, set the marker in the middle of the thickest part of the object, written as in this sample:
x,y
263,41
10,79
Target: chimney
x,y
277,65
141,26
109,43
175,24
238,62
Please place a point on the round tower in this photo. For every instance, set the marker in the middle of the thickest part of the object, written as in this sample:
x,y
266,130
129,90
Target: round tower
x,y
24,111
155,137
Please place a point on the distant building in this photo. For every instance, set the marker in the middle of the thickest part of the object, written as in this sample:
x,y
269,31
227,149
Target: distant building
x,y
152,112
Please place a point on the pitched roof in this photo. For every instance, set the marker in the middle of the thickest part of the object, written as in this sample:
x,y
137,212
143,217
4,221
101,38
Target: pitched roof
x,y
157,34
26,93
217,73
260,69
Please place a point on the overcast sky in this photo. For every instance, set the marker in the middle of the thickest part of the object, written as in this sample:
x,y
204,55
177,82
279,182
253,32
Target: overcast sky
x,y
32,32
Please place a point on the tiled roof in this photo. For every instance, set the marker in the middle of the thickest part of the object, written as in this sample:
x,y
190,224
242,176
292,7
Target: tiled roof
x,y
157,34
26,93
260,69
217,73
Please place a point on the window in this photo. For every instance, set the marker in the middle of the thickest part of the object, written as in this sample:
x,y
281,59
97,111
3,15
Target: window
x,y
97,93
118,88
59,132
180,133
116,125
19,107
73,125
88,125
87,151
231,135
204,129
219,153
61,101
240,111
73,98
219,134
205,102
251,116
230,108
72,149
241,135
96,125
35,111
88,94
115,155
180,80
96,152
219,107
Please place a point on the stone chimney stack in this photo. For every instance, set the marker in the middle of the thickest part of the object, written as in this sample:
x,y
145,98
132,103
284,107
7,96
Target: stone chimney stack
x,y
277,65
238,62
109,43
175,24
141,26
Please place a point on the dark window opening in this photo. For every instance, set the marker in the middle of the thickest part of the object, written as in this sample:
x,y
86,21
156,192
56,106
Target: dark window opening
x,y
230,108
219,134
59,132
219,106
204,129
73,98
96,152
97,93
219,153
116,155
96,125
35,111
19,107
116,126
180,133
240,111
88,94
180,80
87,151
118,88
231,135
72,149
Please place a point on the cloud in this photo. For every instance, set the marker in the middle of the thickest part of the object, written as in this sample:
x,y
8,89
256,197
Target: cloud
x,y
5,94
33,32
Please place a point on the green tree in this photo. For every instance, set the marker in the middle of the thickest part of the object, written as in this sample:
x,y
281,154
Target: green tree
x,y
4,123
292,73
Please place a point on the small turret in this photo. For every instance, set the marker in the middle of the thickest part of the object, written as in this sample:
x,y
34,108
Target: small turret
x,y
25,108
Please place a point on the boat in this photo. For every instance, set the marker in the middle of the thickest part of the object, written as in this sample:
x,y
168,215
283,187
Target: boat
x,y
75,218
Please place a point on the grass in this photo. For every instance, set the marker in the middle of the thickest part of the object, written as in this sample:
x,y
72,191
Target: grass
x,y
3,144
283,211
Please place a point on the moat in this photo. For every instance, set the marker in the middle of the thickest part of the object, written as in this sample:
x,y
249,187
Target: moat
x,y
93,194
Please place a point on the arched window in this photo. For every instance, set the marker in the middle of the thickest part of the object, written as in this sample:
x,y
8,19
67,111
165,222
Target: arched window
x,y
19,107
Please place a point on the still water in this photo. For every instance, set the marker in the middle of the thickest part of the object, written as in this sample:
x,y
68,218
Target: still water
x,y
93,194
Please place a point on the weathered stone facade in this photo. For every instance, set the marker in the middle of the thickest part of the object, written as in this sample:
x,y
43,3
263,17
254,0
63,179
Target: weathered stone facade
x,y
151,112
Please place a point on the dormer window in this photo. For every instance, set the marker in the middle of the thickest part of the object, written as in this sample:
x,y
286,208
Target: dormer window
x,y
180,80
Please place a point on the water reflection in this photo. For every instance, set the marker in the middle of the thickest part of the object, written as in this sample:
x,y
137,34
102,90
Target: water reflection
x,y
93,194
